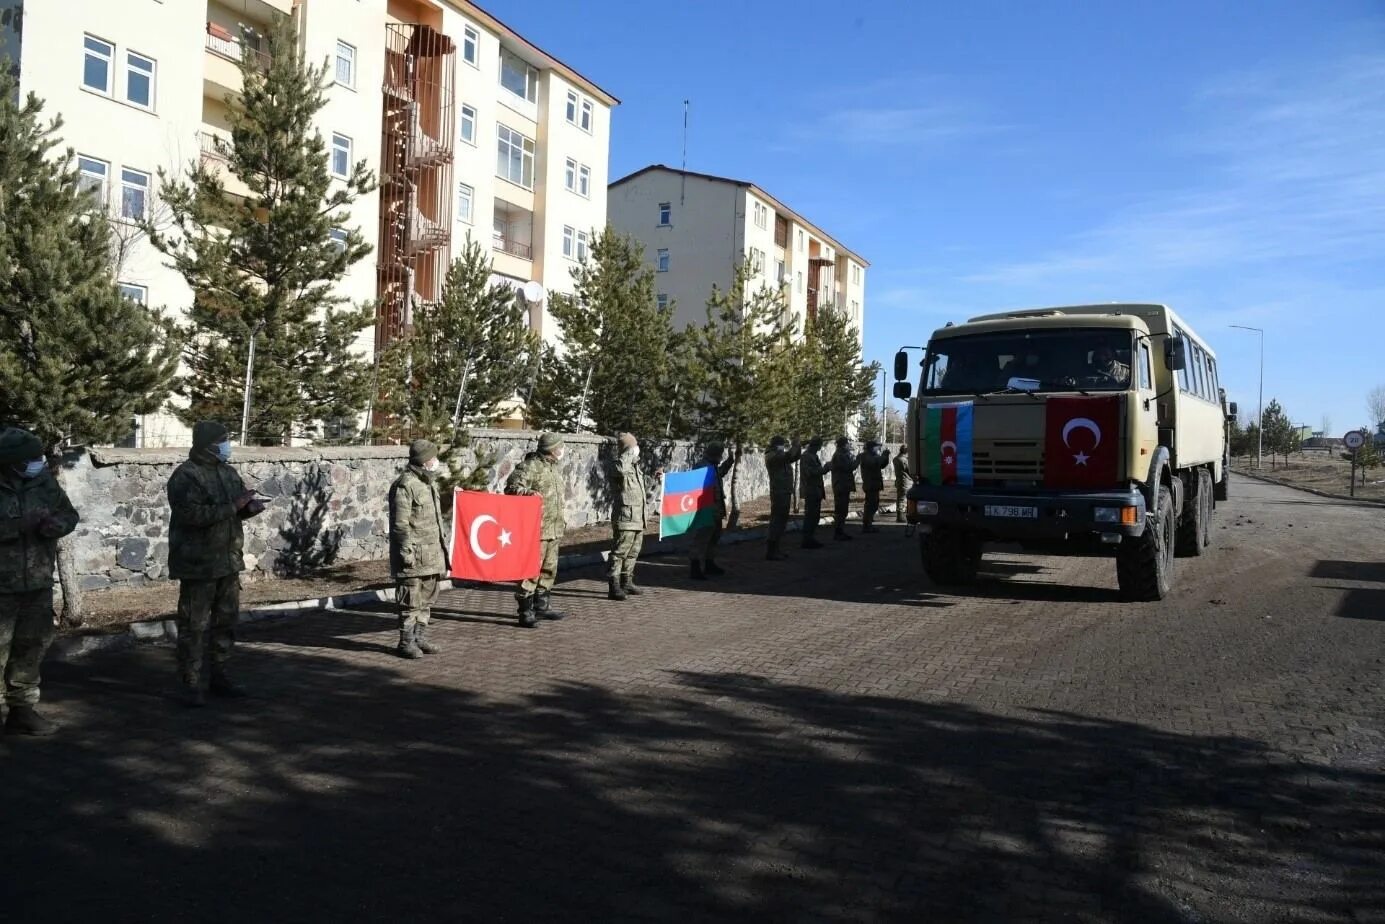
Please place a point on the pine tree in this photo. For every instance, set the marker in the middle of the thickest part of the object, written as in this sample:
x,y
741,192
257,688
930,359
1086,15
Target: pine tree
x,y
78,360
553,391
264,266
867,422
615,342
1279,432
833,382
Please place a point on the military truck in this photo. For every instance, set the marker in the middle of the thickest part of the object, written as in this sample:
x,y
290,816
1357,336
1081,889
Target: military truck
x,y
1090,429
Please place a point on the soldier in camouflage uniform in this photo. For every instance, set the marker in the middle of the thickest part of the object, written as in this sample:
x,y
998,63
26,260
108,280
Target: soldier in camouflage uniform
x,y
843,467
873,463
779,460
34,515
538,475
902,482
705,538
207,502
810,475
629,508
418,548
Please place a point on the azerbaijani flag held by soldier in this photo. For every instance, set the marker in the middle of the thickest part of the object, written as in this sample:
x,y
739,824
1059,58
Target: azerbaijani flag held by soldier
x,y
947,443
689,501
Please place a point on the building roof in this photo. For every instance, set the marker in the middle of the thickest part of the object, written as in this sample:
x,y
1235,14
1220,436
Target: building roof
x,y
490,21
778,204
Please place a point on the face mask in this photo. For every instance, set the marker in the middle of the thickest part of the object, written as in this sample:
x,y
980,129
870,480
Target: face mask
x,y
33,468
431,465
223,450
634,452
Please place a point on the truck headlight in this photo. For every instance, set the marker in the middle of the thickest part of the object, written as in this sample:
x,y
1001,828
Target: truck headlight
x,y
1126,516
927,508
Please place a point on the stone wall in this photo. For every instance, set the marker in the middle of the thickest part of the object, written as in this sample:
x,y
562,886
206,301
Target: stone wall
x,y
326,505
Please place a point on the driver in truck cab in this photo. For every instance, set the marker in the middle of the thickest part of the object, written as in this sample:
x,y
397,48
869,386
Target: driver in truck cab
x,y
1104,363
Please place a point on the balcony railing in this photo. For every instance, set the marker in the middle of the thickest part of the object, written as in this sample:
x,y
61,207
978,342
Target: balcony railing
x,y
513,248
222,42
206,142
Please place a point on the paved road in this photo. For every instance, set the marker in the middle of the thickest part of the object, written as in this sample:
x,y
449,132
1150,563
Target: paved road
x,y
826,739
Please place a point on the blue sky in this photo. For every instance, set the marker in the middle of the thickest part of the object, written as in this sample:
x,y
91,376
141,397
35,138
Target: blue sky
x,y
1226,158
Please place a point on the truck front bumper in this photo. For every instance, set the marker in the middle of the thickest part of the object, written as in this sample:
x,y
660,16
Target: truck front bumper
x,y
1029,515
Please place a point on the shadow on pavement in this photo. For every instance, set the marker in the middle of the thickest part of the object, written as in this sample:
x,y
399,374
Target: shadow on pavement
x,y
1363,604
360,793
1349,570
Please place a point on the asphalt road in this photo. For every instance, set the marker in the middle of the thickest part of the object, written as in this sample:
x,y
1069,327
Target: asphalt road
x,y
824,739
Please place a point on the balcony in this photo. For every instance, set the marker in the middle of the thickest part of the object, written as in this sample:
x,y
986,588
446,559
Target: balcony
x,y
224,48
217,162
513,231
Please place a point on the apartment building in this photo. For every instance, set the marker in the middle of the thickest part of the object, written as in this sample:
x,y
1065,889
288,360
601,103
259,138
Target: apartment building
x,y
474,132
695,229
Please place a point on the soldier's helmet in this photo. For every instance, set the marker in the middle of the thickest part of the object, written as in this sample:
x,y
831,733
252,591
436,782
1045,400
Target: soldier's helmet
x,y
843,442
777,441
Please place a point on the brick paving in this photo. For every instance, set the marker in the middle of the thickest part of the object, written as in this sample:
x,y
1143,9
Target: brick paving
x,y
823,739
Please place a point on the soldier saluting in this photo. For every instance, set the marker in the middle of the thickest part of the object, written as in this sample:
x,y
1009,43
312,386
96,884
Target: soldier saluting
x,y
872,463
779,462
810,475
843,468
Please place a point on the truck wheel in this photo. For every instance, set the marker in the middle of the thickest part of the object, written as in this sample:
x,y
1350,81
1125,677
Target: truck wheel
x,y
1222,491
1144,566
1193,527
951,556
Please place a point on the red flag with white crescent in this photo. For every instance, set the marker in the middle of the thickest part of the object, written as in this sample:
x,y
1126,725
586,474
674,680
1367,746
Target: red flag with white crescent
x,y
1082,442
495,537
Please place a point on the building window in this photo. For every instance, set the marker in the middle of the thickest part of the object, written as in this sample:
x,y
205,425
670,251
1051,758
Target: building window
x,y
137,294
139,80
514,157
663,260
465,195
799,280
581,245
855,274
518,76
570,176
574,243
588,111
779,276
91,178
661,301
341,156
469,124
572,104
134,194
757,261
346,64
338,237
800,240
761,215
584,181
665,214
96,64
471,45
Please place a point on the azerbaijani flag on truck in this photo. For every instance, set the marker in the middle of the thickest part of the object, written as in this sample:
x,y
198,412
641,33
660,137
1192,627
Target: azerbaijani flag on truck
x,y
689,501
947,444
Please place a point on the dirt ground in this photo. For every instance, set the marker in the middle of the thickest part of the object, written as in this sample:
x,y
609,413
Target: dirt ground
x,y
1320,471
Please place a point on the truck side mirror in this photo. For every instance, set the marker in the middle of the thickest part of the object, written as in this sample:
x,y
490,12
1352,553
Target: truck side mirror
x,y
1232,412
903,391
1176,354
901,367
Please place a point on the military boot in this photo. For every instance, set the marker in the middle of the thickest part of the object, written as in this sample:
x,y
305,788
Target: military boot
x,y
225,687
25,720
614,590
421,640
543,608
712,568
408,645
627,583
527,619
772,552
695,571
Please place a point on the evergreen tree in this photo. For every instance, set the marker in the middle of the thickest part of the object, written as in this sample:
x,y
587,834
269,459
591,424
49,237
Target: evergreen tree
x,y
867,422
550,396
1279,432
264,266
615,342
833,382
78,360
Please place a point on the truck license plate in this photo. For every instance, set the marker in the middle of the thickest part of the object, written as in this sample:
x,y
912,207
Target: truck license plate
x,y
1024,513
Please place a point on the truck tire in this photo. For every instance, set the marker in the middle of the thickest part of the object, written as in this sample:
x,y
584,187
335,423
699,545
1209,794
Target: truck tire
x,y
1195,529
951,557
1144,565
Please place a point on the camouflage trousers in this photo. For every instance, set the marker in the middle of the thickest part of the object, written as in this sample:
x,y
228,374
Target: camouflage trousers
x,y
415,597
778,516
871,508
900,501
812,516
624,553
841,506
26,631
548,571
207,611
704,542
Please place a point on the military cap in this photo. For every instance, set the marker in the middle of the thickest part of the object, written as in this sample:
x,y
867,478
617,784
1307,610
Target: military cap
x,y
421,451
207,433
550,441
18,445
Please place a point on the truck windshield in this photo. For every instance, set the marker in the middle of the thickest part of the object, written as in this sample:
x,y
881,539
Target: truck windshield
x,y
1092,359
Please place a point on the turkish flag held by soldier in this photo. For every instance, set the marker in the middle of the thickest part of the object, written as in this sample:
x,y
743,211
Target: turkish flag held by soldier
x,y
1082,442
495,537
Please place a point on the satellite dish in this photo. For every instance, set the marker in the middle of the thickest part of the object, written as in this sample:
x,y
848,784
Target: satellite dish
x,y
533,291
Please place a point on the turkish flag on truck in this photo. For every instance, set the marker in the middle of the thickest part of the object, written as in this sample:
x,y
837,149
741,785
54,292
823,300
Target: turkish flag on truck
x,y
495,537
1082,442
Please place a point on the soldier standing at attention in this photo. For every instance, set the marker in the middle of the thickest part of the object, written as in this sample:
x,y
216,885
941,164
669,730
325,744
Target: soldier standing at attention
x,y
538,475
418,548
705,538
810,474
902,481
779,462
843,467
629,502
207,502
873,463
34,515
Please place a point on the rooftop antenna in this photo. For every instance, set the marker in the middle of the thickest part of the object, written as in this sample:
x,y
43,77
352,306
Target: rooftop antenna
x,y
683,189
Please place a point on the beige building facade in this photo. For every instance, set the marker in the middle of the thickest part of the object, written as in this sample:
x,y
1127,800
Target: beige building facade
x,y
474,133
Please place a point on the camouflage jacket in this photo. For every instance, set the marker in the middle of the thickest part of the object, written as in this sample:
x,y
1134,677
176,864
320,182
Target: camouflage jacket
x,y
779,462
843,466
29,549
873,471
418,541
810,475
722,471
902,478
629,493
538,474
205,536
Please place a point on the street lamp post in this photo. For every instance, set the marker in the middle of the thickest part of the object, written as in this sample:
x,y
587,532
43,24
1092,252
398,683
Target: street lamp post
x,y
1260,424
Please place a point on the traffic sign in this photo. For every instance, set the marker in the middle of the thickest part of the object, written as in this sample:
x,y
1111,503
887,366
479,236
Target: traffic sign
x,y
1354,440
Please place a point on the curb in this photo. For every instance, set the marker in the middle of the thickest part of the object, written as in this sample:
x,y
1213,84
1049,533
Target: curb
x,y
1361,501
153,631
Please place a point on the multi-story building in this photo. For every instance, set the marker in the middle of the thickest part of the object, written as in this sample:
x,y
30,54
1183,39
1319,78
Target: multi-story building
x,y
696,228
474,132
